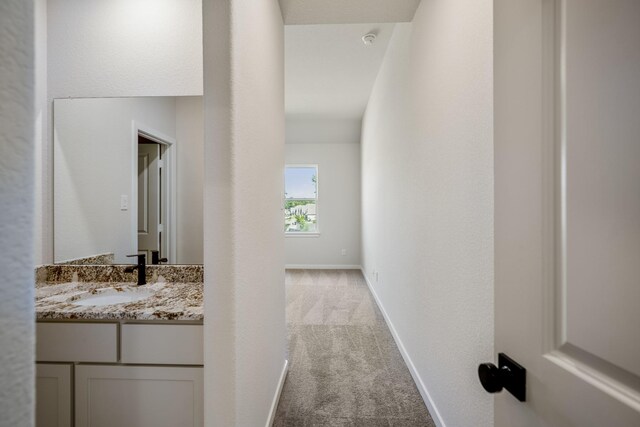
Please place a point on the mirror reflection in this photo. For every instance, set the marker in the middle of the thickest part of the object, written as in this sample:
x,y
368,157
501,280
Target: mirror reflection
x,y
128,179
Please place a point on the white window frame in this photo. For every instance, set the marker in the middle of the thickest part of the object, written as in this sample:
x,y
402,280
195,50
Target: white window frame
x,y
317,199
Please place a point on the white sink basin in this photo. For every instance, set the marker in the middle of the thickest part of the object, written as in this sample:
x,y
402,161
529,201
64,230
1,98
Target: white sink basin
x,y
109,296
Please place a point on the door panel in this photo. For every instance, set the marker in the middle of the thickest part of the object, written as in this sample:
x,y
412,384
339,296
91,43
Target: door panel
x,y
143,192
567,209
148,198
602,196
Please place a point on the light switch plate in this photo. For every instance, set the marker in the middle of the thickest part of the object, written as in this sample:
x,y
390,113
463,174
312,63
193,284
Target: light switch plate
x,y
124,202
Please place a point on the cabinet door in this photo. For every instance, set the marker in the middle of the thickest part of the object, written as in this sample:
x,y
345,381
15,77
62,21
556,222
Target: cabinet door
x,y
53,395
138,396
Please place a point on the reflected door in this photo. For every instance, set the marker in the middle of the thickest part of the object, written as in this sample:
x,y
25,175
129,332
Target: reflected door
x,y
567,209
148,198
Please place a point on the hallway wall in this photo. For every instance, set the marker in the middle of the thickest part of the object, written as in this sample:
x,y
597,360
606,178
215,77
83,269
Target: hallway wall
x,y
427,201
190,165
338,206
321,130
17,120
245,329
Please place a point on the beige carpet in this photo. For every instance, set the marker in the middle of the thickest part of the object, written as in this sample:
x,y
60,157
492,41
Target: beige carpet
x,y
345,369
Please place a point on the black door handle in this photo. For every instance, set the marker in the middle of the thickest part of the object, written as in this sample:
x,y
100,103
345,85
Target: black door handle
x,y
508,374
490,377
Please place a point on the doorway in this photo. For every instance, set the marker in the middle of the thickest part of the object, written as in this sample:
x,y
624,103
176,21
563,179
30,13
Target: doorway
x,y
341,344
153,217
150,200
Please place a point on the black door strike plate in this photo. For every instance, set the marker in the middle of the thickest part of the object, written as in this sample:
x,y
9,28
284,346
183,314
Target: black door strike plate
x,y
516,381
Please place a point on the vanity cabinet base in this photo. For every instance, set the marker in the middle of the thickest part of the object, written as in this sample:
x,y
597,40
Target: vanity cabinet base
x,y
140,396
53,395
109,374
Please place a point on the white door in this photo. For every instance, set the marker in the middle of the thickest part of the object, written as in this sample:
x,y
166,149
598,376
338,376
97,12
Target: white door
x,y
567,209
148,198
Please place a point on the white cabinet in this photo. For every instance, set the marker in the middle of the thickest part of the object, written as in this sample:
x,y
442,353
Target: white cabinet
x,y
115,393
138,396
53,395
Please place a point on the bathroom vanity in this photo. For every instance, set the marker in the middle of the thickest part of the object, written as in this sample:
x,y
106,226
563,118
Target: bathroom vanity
x,y
111,353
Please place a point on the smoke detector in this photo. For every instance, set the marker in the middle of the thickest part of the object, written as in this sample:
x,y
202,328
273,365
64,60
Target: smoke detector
x,y
368,39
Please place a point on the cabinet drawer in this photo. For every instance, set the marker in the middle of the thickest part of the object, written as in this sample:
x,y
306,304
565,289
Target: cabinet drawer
x,y
76,342
162,344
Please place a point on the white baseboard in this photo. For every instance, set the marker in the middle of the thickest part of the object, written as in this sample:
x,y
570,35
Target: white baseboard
x,y
435,414
322,267
276,397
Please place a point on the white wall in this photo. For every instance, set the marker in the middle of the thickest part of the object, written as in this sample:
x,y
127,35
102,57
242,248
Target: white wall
x,y
17,124
338,206
124,47
111,48
245,332
190,170
427,178
93,168
41,131
316,129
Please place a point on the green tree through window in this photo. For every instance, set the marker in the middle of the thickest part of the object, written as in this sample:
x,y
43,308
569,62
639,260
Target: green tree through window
x,y
301,199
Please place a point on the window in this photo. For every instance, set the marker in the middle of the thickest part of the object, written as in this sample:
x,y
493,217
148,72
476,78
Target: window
x,y
301,199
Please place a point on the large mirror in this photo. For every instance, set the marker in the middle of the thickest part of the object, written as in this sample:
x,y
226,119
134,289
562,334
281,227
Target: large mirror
x,y
128,179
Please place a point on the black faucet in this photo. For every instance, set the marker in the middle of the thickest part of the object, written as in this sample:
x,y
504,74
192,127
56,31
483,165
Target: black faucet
x,y
155,258
141,267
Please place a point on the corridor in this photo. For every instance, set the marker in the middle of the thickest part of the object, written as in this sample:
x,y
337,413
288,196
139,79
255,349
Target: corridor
x,y
345,368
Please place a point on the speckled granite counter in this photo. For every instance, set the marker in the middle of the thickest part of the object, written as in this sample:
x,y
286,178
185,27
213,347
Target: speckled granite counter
x,y
115,273
176,293
99,259
170,301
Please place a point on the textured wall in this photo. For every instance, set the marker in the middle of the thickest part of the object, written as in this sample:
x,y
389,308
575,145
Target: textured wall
x,y
124,47
190,133
316,130
245,333
338,205
427,177
16,213
258,128
41,128
107,48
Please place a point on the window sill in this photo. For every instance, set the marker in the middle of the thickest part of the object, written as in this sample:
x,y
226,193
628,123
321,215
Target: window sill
x,y
294,234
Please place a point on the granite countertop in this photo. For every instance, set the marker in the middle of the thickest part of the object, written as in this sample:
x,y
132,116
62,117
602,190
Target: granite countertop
x,y
169,301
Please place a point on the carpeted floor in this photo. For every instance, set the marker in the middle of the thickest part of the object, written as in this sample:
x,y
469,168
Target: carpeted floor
x,y
345,368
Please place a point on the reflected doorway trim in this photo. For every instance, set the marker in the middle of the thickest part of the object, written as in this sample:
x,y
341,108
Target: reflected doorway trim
x,y
148,132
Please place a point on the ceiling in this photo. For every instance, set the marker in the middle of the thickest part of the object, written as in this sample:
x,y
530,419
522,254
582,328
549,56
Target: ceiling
x,y
347,11
329,72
